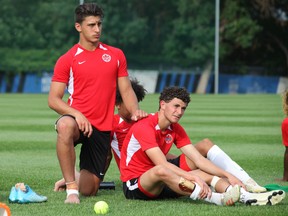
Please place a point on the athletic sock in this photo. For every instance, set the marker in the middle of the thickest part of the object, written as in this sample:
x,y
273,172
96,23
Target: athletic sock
x,y
222,160
244,195
215,197
194,195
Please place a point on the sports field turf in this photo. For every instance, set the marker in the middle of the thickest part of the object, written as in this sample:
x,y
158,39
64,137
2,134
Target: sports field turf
x,y
247,127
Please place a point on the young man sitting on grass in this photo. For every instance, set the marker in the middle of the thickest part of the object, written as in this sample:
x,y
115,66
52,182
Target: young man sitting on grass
x,y
217,156
147,174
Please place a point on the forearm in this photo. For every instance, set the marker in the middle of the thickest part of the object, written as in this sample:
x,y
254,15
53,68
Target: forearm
x,y
55,99
158,158
130,101
61,107
203,163
207,166
178,171
128,95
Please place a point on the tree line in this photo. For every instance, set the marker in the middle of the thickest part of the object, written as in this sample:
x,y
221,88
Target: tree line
x,y
153,34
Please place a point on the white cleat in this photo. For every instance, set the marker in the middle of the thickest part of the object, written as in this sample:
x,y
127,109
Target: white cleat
x,y
231,196
253,187
267,198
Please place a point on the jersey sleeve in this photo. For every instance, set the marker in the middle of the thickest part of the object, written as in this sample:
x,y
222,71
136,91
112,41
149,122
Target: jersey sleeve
x,y
62,69
122,72
181,137
140,133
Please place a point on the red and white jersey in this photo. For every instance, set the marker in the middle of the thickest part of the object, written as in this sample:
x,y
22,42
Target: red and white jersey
x,y
285,132
119,131
142,136
91,79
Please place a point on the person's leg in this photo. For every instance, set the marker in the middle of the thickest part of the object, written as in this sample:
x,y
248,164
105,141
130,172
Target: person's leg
x,y
67,133
154,180
88,183
225,193
94,155
221,186
108,160
60,184
218,157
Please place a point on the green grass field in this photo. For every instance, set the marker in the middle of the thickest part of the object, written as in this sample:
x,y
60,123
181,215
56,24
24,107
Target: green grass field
x,y
247,127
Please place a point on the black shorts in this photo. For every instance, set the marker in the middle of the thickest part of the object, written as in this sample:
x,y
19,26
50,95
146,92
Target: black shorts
x,y
94,151
132,189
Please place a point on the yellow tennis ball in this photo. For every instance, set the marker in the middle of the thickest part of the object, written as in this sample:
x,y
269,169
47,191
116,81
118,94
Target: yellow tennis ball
x,y
101,207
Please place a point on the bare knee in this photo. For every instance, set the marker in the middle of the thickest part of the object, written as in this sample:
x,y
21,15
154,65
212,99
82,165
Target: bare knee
x,y
88,183
88,190
67,129
204,146
66,124
161,171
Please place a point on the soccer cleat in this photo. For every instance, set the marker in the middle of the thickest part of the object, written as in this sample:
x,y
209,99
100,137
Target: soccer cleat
x,y
17,195
30,196
253,187
231,196
267,198
13,195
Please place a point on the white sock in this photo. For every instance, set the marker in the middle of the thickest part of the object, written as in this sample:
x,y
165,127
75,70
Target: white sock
x,y
196,192
244,195
215,197
222,160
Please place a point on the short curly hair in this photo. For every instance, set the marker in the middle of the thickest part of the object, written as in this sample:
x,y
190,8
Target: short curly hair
x,y
139,90
169,93
285,102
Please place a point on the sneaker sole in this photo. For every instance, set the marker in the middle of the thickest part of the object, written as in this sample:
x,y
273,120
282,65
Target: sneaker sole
x,y
234,197
12,201
274,198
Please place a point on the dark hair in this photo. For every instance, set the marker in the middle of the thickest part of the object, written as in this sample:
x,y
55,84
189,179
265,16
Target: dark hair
x,y
139,90
87,9
169,93
285,102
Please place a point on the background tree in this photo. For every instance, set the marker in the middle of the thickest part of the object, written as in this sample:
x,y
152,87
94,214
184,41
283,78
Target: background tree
x,y
153,34
190,40
33,34
254,33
